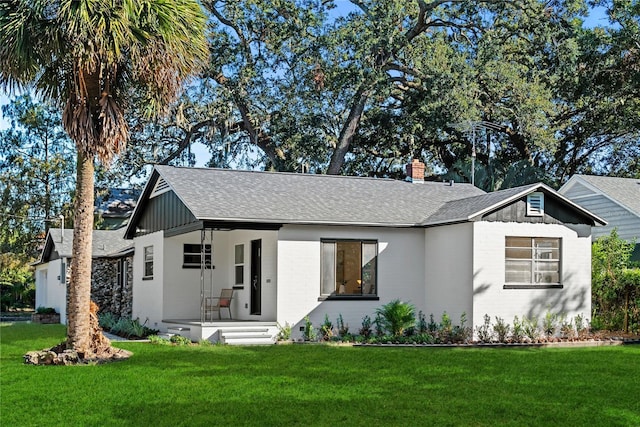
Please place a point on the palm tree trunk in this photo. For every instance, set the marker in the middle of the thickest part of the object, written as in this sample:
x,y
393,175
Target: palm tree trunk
x,y
78,324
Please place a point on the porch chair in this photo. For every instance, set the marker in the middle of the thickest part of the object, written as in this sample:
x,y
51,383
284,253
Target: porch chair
x,y
212,304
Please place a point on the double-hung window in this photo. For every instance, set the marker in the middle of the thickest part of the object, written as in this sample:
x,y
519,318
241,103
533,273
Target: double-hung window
x,y
532,262
239,265
192,255
349,268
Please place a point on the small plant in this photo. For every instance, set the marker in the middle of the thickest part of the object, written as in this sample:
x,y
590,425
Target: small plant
x,y
501,329
518,330
484,332
309,331
432,326
422,325
445,327
378,325
284,332
582,328
365,330
549,323
179,340
205,343
46,310
566,328
107,320
342,328
397,316
326,329
530,327
461,333
155,339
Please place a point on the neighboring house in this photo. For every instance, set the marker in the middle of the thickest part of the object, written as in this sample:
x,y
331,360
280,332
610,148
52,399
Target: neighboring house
x,y
296,245
616,200
116,207
112,272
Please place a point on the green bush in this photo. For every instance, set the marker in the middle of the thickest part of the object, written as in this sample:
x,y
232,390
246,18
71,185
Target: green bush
x,y
284,332
397,316
46,310
179,340
501,328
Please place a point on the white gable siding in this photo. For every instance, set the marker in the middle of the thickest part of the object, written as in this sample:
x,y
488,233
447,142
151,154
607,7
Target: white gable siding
x,y
489,273
400,274
449,271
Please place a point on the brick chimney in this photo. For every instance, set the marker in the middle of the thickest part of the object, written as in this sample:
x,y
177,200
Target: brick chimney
x,y
415,171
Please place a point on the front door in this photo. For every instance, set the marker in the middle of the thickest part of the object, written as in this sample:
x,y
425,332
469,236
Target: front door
x,y
256,276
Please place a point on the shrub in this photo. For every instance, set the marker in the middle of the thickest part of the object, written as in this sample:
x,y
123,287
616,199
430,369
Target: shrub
x,y
566,327
284,332
549,323
326,329
432,326
342,328
107,320
365,330
309,333
397,316
422,325
530,327
484,331
155,339
445,327
461,333
518,330
378,325
46,310
501,328
179,340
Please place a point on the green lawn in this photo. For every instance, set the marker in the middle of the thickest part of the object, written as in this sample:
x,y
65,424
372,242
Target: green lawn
x,y
319,385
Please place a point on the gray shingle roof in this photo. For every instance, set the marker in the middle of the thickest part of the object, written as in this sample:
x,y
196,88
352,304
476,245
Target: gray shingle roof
x,y
625,191
105,242
465,209
222,194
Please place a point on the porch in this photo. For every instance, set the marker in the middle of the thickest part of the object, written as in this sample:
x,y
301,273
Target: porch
x,y
225,331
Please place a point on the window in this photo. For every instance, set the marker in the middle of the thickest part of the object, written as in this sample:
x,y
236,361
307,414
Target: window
x,y
123,267
532,261
239,264
192,256
349,268
148,262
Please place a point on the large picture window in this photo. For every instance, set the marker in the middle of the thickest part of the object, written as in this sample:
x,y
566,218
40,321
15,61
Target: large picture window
x,y
192,256
349,267
532,261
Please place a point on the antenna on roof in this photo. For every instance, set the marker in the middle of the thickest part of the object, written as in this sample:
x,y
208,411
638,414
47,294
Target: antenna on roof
x,y
61,226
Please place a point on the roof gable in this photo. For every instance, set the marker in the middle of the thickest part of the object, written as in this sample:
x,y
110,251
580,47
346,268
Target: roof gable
x,y
105,243
622,191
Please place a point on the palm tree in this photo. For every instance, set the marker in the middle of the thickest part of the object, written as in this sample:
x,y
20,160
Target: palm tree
x,y
90,57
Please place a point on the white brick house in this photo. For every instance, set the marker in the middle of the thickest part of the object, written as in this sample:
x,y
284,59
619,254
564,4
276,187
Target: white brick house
x,y
297,245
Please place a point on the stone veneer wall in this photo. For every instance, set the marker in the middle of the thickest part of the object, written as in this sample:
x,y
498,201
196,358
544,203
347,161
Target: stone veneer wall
x,y
105,290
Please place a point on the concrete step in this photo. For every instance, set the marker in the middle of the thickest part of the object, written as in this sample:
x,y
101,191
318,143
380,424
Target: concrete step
x,y
246,336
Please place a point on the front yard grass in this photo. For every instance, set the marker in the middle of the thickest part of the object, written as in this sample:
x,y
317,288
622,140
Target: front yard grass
x,y
319,385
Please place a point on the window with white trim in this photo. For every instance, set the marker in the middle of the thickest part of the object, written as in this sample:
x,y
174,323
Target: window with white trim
x,y
192,255
239,265
148,262
532,261
349,268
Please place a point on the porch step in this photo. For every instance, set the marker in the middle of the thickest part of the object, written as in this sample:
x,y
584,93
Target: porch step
x,y
246,336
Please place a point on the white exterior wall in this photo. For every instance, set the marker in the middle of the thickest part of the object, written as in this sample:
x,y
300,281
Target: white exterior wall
x,y
400,274
51,290
181,286
148,293
489,273
269,254
449,271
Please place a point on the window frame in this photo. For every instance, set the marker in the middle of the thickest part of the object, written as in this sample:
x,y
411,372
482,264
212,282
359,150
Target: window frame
x,y
238,266
334,295
147,263
534,260
208,256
